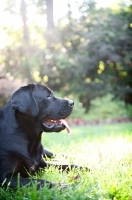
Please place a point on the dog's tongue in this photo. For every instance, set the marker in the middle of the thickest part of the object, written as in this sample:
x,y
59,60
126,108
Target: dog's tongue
x,y
66,125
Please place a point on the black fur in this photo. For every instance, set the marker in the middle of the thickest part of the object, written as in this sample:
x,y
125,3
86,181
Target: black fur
x,y
22,122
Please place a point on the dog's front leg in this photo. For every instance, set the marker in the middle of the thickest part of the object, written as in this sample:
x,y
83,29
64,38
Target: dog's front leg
x,y
48,154
67,168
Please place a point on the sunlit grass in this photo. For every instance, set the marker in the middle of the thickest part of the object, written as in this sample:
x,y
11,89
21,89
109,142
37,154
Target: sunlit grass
x,y
106,150
92,145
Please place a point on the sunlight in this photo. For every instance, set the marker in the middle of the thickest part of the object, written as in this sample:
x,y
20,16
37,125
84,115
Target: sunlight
x,y
15,21
12,19
104,3
99,152
62,6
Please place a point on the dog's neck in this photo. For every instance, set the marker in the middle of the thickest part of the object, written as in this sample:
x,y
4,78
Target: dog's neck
x,y
32,128
26,121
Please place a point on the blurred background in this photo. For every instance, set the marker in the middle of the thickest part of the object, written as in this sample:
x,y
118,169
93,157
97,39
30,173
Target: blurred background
x,y
81,49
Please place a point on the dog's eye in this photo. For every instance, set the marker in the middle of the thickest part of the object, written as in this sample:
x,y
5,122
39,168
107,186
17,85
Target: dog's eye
x,y
49,96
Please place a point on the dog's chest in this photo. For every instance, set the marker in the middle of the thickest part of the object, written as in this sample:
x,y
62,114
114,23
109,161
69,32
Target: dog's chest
x,y
35,153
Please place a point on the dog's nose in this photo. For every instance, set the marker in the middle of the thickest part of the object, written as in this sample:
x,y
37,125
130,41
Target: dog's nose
x,y
71,103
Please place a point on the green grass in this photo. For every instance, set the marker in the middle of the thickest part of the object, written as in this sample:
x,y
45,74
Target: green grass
x,y
106,150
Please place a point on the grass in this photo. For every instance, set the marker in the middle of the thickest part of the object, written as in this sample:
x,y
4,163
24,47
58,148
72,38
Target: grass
x,y
106,150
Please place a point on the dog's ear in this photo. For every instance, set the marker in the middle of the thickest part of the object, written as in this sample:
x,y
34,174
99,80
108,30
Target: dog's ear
x,y
24,101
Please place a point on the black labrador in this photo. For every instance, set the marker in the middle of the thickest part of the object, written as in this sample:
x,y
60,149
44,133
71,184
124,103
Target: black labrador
x,y
32,110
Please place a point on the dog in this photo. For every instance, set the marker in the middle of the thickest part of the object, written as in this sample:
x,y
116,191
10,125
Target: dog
x,y
32,110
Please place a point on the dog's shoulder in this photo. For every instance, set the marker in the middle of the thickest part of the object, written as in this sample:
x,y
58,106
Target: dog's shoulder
x,y
3,113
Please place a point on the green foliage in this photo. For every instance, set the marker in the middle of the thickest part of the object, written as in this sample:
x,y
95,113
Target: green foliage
x,y
104,108
99,47
88,56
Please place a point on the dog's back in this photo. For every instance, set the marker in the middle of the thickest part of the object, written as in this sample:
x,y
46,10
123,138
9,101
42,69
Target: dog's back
x,y
13,147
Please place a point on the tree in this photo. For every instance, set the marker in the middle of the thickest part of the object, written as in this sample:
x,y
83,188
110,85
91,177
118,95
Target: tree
x,y
24,19
99,47
90,57
120,71
50,22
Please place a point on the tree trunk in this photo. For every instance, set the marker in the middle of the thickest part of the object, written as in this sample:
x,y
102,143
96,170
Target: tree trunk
x,y
24,19
50,23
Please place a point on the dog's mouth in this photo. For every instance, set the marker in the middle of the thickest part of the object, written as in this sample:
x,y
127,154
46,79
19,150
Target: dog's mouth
x,y
51,124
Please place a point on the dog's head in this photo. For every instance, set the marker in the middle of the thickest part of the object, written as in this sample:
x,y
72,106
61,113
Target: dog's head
x,y
38,102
